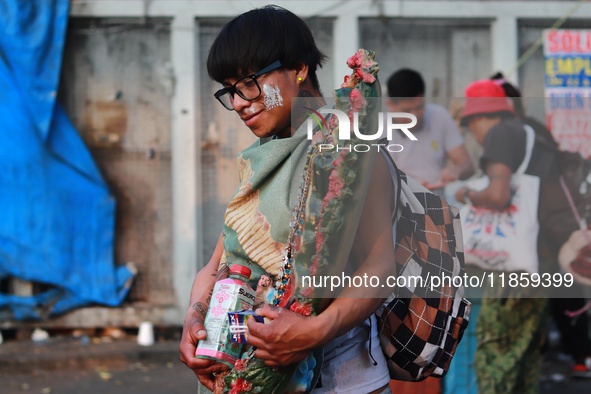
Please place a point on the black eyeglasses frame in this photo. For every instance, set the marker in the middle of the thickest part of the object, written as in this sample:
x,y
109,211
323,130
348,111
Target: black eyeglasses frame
x,y
231,90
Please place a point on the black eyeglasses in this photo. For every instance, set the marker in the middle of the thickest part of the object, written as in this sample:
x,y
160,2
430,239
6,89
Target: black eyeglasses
x,y
248,88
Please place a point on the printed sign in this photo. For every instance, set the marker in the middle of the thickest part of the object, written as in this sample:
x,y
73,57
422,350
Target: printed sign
x,y
568,88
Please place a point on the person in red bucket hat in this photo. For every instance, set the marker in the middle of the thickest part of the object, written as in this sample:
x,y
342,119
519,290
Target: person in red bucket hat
x,y
484,97
563,239
510,325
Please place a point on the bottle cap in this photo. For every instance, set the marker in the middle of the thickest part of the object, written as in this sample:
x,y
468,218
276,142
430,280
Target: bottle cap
x,y
240,269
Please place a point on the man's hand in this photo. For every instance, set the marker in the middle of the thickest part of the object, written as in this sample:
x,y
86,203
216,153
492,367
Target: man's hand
x,y
462,195
193,328
433,185
285,338
193,332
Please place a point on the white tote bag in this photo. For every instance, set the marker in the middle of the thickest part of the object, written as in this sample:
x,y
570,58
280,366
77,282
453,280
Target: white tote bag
x,y
505,240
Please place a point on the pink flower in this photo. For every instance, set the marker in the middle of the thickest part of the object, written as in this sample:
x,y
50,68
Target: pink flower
x,y
320,239
364,76
336,186
368,78
240,365
356,99
355,60
358,74
368,63
315,261
335,183
329,196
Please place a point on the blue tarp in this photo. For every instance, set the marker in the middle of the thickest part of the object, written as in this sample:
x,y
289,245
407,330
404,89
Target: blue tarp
x,y
56,212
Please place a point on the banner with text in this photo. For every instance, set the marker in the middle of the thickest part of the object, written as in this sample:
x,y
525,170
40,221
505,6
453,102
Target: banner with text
x,y
568,88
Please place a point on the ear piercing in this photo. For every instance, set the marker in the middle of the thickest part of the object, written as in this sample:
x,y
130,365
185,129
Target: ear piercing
x,y
300,79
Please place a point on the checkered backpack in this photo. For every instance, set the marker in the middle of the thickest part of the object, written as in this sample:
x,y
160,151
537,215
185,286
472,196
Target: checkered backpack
x,y
420,327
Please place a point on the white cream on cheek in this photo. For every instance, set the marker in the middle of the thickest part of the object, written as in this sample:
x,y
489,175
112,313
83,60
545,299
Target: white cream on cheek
x,y
273,97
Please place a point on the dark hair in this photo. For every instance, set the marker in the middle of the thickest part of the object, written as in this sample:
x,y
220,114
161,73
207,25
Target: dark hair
x,y
515,95
406,83
512,92
257,38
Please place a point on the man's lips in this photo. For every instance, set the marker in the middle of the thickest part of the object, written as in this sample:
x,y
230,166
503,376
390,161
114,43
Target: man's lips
x,y
249,118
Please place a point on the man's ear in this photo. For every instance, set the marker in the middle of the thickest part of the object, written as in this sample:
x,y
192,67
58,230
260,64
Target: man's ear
x,y
301,73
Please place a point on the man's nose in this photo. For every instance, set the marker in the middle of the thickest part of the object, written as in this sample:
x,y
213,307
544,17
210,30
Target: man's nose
x,y
239,103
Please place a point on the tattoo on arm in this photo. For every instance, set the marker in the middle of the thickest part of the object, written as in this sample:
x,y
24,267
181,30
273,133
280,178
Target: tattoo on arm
x,y
208,299
222,272
201,310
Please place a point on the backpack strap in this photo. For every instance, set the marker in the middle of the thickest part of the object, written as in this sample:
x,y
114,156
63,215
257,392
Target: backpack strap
x,y
530,136
395,174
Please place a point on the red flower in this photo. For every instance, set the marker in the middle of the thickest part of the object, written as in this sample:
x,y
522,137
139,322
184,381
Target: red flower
x,y
355,60
335,183
302,309
240,386
240,365
319,240
356,99
368,78
358,74
315,260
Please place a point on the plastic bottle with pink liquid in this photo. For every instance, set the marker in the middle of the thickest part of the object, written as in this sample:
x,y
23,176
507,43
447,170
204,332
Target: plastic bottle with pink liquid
x,y
229,295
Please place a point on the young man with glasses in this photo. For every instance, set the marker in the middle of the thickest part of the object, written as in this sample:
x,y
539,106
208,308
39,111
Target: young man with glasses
x,y
264,58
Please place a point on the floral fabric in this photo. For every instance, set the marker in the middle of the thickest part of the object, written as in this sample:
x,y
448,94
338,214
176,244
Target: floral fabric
x,y
274,219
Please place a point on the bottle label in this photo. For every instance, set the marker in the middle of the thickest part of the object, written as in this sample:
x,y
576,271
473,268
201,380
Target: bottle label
x,y
229,295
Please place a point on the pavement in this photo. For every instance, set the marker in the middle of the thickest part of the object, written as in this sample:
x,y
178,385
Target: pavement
x,y
75,365
68,365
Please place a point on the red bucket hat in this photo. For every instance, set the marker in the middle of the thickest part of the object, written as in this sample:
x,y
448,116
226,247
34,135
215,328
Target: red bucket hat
x,y
485,97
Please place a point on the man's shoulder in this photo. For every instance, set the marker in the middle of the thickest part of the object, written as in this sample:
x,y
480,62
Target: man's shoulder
x,y
436,114
511,128
440,124
508,133
436,110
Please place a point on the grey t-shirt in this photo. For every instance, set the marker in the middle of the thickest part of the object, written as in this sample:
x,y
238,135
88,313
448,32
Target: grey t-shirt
x,y
424,159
